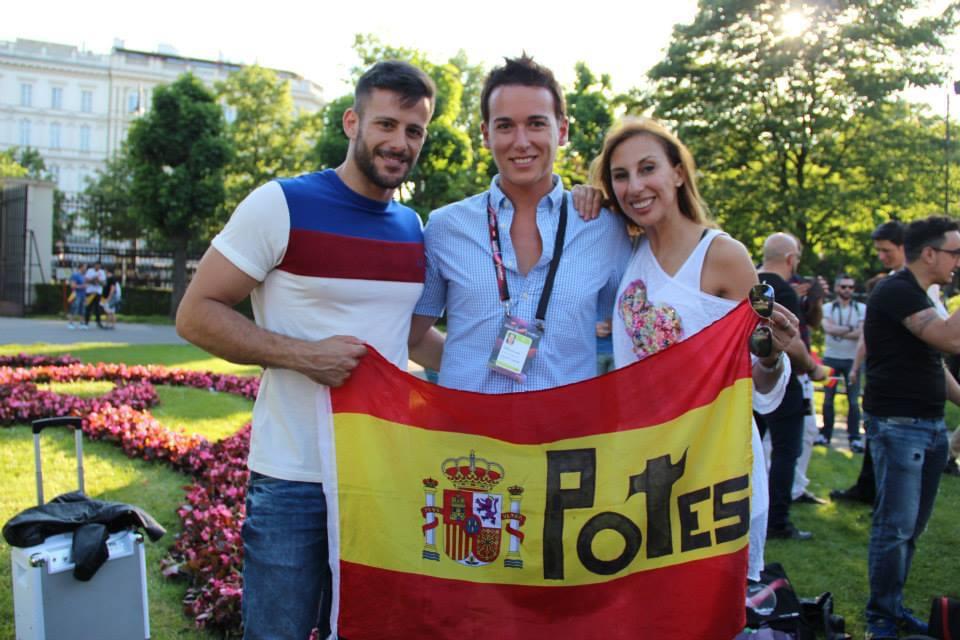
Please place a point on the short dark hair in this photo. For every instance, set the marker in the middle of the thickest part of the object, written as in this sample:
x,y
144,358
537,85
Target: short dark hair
x,y
525,72
891,230
928,232
404,79
844,276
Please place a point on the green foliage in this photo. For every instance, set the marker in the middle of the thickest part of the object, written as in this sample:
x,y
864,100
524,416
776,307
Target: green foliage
x,y
778,121
331,148
449,168
590,111
10,167
137,301
112,211
178,152
269,139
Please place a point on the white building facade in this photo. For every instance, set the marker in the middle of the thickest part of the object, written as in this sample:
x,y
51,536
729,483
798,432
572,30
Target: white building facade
x,y
75,107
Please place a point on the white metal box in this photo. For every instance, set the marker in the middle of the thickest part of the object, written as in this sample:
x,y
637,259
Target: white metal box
x,y
50,604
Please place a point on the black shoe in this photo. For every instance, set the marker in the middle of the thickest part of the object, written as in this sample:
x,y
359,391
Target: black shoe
x,y
850,495
788,532
808,498
952,469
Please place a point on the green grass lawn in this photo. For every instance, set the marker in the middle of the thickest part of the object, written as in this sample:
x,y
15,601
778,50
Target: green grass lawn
x,y
111,475
835,560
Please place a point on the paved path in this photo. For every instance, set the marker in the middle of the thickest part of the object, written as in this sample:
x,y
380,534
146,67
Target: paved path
x,y
29,331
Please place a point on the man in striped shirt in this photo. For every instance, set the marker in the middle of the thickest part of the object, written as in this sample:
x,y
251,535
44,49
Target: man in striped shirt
x,y
330,261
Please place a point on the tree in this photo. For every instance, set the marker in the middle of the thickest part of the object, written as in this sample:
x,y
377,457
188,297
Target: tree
x,y
178,151
9,166
447,170
28,163
590,111
331,148
775,117
268,138
110,209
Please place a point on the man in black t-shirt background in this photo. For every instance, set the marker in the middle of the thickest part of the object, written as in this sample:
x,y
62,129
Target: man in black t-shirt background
x,y
906,389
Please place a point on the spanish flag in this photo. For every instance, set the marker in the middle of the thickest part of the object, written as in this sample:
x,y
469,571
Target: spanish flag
x,y
617,507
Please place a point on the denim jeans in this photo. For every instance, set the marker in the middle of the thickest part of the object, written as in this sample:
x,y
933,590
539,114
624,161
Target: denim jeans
x,y
843,368
286,574
908,458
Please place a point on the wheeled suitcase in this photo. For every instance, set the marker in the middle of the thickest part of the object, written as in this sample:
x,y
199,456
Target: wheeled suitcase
x,y
50,603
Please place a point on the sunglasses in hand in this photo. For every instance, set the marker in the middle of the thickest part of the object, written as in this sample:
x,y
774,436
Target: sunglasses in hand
x,y
761,300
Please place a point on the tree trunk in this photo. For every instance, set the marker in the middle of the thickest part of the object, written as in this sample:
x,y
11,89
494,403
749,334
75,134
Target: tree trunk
x,y
179,274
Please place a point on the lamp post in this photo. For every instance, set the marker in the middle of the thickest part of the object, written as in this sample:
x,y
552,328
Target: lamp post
x,y
946,152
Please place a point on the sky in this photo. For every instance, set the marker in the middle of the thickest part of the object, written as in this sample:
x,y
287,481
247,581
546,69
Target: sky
x,y
314,38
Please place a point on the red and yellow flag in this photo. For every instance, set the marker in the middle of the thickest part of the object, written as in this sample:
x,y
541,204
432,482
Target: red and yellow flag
x,y
614,508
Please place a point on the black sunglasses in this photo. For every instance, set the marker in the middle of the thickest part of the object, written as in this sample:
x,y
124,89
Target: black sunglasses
x,y
953,252
761,300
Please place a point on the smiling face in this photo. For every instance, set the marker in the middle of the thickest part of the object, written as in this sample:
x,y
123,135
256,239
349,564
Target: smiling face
x,y
523,135
644,181
945,258
385,140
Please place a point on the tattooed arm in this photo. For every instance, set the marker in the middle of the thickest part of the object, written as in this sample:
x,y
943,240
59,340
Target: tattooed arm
x,y
941,334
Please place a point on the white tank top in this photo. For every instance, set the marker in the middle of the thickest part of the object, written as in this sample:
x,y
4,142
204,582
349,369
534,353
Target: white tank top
x,y
655,310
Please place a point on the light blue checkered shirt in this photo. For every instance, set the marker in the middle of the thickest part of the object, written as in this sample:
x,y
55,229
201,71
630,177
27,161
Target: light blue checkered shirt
x,y
461,279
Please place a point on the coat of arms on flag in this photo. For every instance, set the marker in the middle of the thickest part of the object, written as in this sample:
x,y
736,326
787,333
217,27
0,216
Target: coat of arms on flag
x,y
473,516
614,507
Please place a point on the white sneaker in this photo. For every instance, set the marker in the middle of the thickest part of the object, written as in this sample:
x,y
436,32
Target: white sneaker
x,y
84,327
70,325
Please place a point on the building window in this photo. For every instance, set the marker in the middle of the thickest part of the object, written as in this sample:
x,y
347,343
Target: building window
x,y
24,133
26,95
133,102
55,172
55,135
56,98
84,138
86,101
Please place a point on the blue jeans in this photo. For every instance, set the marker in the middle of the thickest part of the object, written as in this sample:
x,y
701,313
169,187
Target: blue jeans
x,y
908,458
843,368
286,574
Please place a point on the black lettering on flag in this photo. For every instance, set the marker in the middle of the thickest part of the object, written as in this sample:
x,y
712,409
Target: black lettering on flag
x,y
616,522
657,482
690,521
584,462
739,509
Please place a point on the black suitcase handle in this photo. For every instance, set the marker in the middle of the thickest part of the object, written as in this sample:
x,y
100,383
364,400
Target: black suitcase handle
x,y
69,421
74,422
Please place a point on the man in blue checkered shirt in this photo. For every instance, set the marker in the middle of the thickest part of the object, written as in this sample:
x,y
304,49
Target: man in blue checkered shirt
x,y
489,256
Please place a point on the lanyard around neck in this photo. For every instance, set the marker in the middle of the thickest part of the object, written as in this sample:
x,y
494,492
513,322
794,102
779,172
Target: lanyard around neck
x,y
502,272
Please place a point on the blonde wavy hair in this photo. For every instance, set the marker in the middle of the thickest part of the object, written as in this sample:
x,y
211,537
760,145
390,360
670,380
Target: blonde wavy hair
x,y
688,196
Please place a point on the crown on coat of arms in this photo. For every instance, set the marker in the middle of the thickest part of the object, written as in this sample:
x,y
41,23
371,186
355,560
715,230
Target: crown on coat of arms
x,y
473,473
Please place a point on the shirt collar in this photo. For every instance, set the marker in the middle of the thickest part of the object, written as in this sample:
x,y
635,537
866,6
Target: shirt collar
x,y
497,196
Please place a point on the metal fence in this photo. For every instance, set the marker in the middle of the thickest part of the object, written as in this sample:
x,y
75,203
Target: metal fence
x,y
133,261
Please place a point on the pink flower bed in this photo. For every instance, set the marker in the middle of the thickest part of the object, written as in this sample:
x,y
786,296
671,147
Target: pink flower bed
x,y
208,551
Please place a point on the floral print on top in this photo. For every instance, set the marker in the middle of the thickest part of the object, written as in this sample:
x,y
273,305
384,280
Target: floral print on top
x,y
651,327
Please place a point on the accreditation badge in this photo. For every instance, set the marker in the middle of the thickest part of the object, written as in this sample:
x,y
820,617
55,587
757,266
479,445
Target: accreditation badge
x,y
515,347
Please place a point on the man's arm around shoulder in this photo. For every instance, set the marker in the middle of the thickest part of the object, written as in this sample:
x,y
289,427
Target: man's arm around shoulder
x,y
206,318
